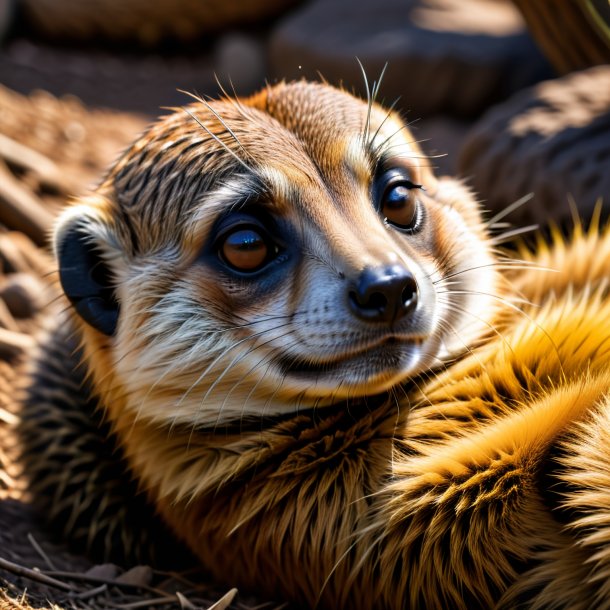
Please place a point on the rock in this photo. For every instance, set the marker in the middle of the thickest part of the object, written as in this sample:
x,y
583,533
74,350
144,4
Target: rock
x,y
552,140
139,576
453,56
141,82
105,571
143,21
23,294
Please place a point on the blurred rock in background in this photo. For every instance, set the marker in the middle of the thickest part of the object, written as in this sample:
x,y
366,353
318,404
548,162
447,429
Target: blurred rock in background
x,y
146,22
447,59
444,57
552,140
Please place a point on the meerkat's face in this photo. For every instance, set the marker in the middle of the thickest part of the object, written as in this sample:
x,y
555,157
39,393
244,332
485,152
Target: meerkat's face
x,y
256,257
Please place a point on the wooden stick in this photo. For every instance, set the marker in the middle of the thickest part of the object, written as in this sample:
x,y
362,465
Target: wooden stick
x,y
21,210
35,259
24,157
572,34
9,566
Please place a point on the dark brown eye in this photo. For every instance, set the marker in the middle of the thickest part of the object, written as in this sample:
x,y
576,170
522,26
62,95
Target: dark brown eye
x,y
399,205
396,198
245,249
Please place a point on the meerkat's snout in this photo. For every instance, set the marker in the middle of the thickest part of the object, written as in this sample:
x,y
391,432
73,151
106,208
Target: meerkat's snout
x,y
384,294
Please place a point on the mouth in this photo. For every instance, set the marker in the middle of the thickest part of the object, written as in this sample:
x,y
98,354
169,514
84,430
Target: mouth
x,y
383,360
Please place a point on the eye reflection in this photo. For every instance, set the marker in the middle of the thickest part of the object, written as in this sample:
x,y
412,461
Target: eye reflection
x,y
399,205
245,249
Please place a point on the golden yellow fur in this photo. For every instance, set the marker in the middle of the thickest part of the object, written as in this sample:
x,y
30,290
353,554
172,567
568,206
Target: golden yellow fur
x,y
477,477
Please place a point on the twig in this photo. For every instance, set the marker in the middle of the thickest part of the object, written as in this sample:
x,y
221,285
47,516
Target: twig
x,y
185,602
25,157
224,602
103,581
90,593
144,603
7,417
13,603
39,550
21,210
31,258
6,480
14,568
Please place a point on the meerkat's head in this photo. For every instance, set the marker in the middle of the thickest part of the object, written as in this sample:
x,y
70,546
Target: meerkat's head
x,y
258,256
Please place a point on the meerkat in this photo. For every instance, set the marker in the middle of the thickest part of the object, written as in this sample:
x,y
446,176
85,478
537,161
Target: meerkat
x,y
294,349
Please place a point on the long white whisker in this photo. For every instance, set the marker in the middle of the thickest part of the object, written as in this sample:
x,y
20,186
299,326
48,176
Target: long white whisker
x,y
498,265
508,235
215,137
509,209
218,117
369,102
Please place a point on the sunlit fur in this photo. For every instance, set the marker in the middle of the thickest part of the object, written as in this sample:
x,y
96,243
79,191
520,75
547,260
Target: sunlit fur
x,y
478,475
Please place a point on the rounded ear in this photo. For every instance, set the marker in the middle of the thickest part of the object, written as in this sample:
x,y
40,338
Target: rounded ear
x,y
84,246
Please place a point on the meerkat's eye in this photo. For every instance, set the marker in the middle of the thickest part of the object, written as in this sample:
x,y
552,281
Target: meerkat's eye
x,y
397,201
247,241
245,249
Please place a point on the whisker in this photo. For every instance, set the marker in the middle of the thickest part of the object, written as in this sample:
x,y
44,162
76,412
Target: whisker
x,y
486,322
509,209
498,265
218,117
216,360
525,315
369,103
387,116
494,296
215,137
235,362
508,235
377,85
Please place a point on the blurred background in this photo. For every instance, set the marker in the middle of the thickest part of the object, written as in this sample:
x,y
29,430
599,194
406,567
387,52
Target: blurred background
x,y
513,97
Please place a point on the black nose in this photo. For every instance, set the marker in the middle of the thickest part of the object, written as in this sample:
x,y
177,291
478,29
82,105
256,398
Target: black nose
x,y
384,294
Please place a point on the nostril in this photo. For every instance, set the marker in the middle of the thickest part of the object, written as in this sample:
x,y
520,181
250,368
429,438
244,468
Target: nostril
x,y
370,305
409,292
377,301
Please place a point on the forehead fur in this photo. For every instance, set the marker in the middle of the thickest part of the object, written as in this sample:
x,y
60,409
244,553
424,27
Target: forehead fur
x,y
302,130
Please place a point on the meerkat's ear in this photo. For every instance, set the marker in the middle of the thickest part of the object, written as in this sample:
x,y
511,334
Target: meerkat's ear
x,y
85,248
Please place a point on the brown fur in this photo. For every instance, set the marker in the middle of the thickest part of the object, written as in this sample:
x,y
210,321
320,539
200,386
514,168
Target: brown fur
x,y
484,483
